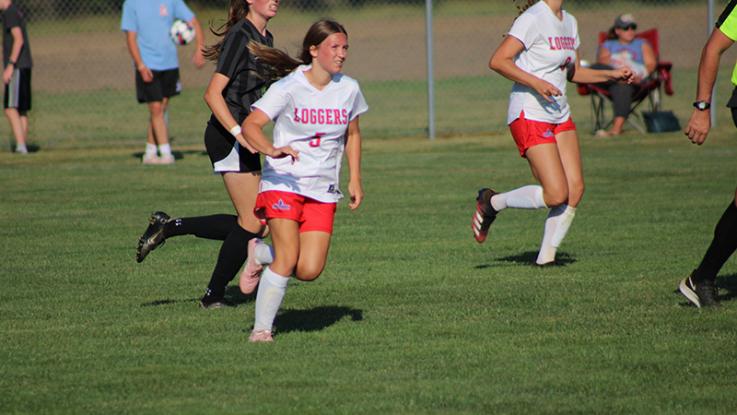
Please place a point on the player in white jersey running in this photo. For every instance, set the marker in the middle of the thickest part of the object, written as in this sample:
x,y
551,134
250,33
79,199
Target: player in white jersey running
x,y
540,53
316,110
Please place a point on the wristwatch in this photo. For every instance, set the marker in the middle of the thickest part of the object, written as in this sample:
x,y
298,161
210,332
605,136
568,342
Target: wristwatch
x,y
702,105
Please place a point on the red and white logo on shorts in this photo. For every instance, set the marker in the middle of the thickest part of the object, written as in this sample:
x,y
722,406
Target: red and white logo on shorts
x,y
280,205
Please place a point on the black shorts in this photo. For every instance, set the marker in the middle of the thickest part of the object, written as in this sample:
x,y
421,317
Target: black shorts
x,y
732,105
226,154
164,85
18,91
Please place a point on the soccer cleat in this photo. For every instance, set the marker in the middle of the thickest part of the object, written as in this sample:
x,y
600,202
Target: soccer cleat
x,y
154,235
209,301
150,159
251,274
260,336
484,215
701,294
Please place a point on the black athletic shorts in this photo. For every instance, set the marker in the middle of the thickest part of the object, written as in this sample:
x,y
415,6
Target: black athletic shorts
x,y
18,91
165,84
226,154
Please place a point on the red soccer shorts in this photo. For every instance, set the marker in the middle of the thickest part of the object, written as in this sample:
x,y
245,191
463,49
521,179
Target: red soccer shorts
x,y
311,214
529,133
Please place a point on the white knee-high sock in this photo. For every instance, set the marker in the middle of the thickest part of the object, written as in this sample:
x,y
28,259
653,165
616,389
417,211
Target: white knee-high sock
x,y
264,253
556,227
270,294
525,197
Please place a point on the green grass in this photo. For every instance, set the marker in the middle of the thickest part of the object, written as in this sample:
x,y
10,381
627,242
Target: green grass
x,y
410,316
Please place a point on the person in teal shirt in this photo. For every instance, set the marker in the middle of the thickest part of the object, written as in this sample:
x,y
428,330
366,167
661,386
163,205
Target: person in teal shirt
x,y
700,287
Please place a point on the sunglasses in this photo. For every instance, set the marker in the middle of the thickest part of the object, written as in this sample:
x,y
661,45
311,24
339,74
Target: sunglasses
x,y
629,27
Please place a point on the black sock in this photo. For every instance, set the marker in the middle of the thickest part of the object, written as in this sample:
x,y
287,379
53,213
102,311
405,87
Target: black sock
x,y
232,255
210,227
722,246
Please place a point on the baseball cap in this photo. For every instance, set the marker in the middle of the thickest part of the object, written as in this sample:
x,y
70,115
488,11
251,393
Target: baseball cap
x,y
624,20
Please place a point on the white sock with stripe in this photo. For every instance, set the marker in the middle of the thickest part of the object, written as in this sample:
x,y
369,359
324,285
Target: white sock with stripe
x,y
525,197
270,294
556,227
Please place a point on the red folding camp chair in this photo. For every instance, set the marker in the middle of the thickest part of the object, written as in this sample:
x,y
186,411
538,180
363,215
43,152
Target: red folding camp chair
x,y
651,90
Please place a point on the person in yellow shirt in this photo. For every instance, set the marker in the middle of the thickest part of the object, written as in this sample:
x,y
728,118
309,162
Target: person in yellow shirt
x,y
700,287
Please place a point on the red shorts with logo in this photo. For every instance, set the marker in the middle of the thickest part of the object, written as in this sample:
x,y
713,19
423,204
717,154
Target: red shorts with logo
x,y
529,133
311,214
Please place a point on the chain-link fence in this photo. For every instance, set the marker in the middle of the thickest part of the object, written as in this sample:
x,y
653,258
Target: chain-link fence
x,y
83,76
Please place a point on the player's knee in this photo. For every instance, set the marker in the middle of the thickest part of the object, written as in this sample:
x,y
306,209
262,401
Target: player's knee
x,y
556,197
156,109
308,272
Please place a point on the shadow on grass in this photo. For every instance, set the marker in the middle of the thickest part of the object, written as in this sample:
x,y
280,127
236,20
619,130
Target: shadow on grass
x,y
178,155
32,148
728,283
233,295
528,258
314,319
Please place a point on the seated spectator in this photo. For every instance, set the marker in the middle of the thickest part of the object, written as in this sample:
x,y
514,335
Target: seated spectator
x,y
622,48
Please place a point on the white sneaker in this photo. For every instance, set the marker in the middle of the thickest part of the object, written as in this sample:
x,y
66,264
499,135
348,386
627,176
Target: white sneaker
x,y
150,159
21,150
166,159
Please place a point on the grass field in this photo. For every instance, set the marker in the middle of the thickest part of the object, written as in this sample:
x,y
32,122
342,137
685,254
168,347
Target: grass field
x,y
410,316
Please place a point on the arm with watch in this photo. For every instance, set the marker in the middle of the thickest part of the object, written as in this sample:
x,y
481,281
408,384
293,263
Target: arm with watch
x,y
700,121
14,53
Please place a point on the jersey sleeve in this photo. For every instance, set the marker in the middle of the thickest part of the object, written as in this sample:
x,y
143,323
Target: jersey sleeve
x,y
576,37
12,19
524,29
727,22
273,102
359,104
233,53
128,23
182,12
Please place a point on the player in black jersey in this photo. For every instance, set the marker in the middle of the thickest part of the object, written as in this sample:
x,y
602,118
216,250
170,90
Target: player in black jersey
x,y
238,81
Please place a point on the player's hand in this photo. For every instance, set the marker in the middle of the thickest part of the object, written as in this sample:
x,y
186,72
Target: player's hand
x,y
281,152
242,141
624,74
355,190
547,90
698,126
198,59
146,73
7,74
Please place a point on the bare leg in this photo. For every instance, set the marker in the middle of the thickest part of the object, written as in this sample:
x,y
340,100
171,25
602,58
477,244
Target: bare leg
x,y
313,254
16,125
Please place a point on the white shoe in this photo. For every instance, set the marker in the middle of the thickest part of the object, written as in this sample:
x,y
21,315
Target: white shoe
x,y
166,159
150,159
21,150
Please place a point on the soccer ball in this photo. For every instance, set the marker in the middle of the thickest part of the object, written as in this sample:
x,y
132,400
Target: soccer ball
x,y
181,32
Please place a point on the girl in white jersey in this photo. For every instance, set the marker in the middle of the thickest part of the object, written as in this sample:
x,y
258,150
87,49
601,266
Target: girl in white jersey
x,y
316,110
539,54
